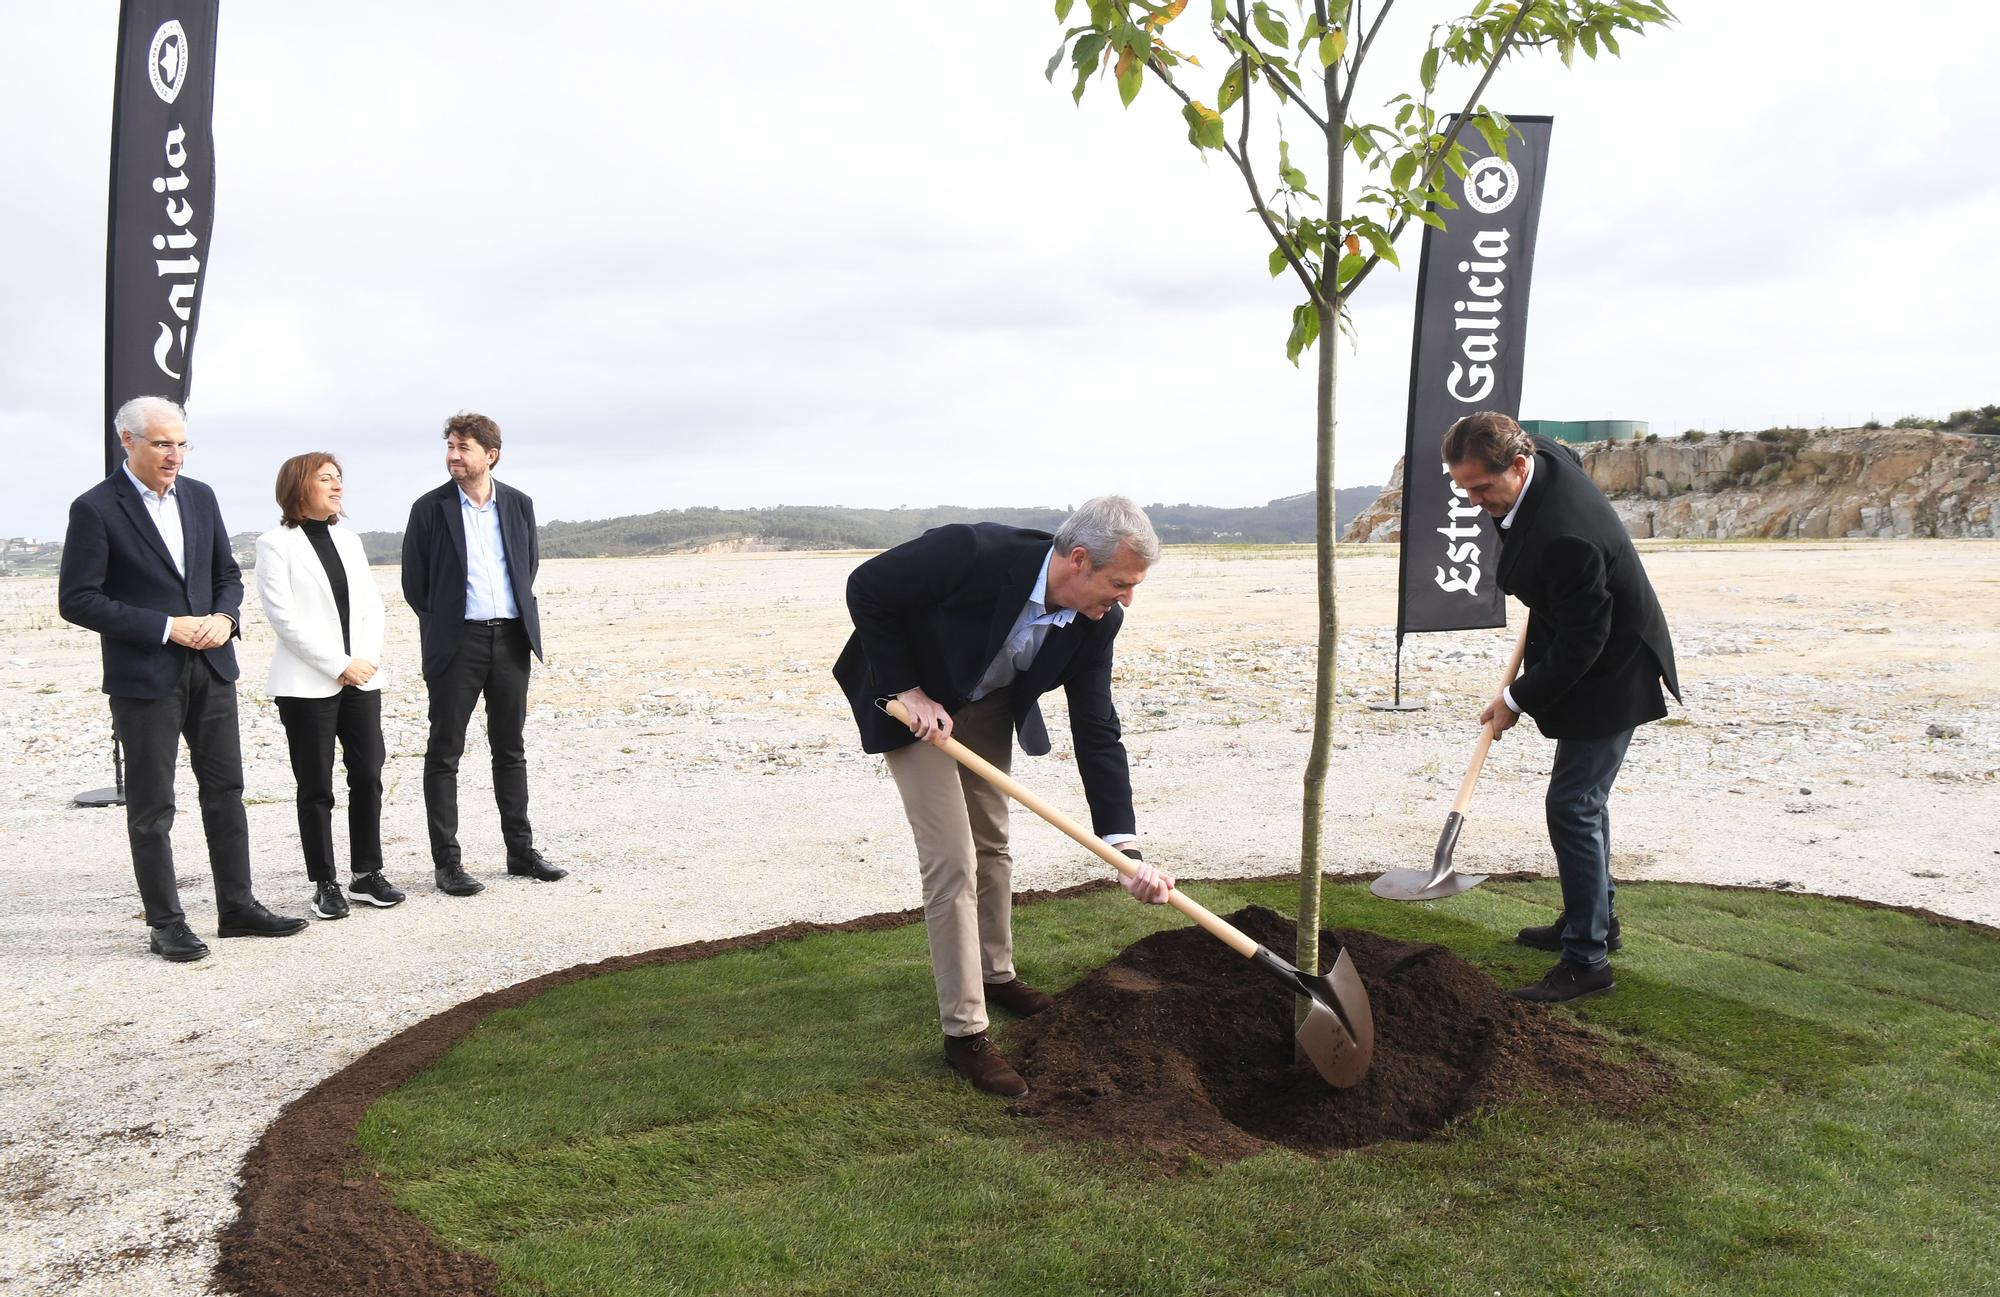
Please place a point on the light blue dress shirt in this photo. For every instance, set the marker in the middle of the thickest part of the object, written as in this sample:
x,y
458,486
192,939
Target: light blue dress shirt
x,y
1031,628
1024,641
488,592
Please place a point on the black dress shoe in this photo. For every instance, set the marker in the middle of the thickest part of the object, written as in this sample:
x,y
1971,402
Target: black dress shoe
x,y
456,882
1567,981
177,944
256,921
1550,936
536,866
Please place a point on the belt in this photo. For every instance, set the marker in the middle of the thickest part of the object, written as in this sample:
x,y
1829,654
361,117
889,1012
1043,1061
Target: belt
x,y
494,621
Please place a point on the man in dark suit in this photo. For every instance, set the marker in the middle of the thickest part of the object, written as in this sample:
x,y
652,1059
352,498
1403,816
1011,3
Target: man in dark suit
x,y
470,555
1597,652
146,564
968,626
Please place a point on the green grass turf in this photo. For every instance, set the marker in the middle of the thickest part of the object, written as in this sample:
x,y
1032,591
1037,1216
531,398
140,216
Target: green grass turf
x,y
780,1121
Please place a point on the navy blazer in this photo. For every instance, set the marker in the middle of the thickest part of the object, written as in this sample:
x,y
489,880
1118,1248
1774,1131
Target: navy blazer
x,y
118,580
1598,646
434,568
936,610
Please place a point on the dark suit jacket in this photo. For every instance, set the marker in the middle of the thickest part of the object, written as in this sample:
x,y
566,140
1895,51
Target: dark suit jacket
x,y
434,568
118,580
1597,640
936,610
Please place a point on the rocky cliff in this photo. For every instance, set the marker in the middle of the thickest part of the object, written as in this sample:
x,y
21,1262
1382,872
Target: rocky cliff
x,y
1783,483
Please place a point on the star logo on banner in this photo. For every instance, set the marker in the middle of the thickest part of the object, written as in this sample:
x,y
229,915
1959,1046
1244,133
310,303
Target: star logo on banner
x,y
167,60
1490,184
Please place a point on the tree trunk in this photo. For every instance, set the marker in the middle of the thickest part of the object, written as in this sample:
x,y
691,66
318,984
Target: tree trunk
x,y
1306,948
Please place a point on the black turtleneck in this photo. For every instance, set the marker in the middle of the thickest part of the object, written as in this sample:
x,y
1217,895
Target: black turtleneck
x,y
336,574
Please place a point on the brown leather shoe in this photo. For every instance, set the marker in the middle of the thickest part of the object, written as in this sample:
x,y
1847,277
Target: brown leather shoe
x,y
1018,997
974,1058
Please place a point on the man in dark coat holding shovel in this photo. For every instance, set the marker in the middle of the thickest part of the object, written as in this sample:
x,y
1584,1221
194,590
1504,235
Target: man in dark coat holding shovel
x,y
1597,652
968,626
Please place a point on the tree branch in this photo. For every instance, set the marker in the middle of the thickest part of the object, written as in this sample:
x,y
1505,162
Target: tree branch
x,y
1361,54
1277,79
1457,125
1242,162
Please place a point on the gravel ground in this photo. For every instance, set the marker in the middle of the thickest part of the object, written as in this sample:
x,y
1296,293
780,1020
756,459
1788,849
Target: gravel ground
x,y
693,766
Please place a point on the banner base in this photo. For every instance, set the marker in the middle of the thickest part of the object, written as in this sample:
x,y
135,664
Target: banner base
x,y
1397,706
99,797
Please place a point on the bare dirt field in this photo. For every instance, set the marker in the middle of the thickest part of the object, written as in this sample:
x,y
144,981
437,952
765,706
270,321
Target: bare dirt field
x,y
693,766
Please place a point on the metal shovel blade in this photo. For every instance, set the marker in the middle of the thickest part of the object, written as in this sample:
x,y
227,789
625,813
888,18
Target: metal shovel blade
x,y
1338,1034
1436,883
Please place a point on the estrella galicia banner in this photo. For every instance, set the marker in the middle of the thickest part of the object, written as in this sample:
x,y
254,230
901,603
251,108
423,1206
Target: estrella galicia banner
x,y
1472,320
162,202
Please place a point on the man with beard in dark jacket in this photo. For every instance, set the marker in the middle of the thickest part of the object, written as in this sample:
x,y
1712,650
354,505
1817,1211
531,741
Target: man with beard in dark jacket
x,y
1597,653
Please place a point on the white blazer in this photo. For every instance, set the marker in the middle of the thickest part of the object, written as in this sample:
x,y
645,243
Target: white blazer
x,y
298,602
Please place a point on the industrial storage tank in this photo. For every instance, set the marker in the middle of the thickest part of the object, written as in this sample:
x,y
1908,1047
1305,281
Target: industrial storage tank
x,y
1577,430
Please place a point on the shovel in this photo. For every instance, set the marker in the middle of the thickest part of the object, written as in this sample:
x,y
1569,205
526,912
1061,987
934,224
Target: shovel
x,y
1338,1034
1443,880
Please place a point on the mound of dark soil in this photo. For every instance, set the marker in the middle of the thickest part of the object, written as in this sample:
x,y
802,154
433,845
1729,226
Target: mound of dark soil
x,y
1181,1044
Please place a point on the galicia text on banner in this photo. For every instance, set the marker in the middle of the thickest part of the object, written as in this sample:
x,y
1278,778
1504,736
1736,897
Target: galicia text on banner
x,y
162,202
1471,328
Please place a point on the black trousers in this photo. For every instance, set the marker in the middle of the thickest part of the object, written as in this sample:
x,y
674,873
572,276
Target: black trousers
x,y
492,661
354,716
201,709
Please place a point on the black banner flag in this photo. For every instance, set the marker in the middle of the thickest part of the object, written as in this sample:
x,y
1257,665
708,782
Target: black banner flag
x,y
1472,318
162,202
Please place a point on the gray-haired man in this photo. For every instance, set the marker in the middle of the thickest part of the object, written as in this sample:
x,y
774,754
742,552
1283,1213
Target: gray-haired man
x,y
969,625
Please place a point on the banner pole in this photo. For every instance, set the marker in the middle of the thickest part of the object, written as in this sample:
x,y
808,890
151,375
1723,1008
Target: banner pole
x,y
1398,705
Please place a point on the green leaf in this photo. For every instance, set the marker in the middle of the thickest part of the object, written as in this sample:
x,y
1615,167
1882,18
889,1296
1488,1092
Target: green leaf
x,y
1062,10
1378,239
1336,12
1204,126
1456,159
1611,43
1278,262
1056,62
1350,266
1231,89
1218,11
1130,80
1429,73
1429,218
1271,27
1403,170
1590,42
1332,46
1305,329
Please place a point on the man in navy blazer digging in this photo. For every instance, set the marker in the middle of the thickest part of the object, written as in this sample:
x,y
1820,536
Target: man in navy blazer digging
x,y
968,626
146,564
470,556
1598,650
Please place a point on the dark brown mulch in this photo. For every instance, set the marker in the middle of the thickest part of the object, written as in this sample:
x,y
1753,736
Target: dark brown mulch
x,y
1179,1044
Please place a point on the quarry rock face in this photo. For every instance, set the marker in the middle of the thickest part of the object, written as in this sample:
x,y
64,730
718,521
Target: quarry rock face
x,y
1797,485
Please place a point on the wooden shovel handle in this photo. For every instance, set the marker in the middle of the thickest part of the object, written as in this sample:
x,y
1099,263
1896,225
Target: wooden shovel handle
x,y
1480,749
1110,855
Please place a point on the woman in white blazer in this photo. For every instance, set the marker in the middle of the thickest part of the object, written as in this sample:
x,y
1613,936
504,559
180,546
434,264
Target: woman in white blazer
x,y
324,609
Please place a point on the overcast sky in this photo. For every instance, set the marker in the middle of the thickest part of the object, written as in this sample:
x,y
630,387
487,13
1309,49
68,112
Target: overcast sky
x,y
733,255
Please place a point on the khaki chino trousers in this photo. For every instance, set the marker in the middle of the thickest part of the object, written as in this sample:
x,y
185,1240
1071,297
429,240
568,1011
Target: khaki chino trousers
x,y
960,823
